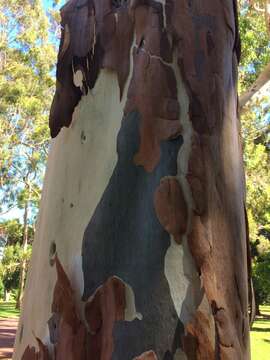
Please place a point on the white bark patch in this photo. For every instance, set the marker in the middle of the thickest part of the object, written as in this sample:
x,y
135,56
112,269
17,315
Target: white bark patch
x,y
180,269
78,79
130,310
174,272
77,281
131,68
76,177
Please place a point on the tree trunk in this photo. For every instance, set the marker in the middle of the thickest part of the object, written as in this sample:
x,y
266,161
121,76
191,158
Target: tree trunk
x,y
6,295
23,260
258,313
144,194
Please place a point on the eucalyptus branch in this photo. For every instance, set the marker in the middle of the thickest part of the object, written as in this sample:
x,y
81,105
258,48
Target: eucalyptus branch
x,y
257,86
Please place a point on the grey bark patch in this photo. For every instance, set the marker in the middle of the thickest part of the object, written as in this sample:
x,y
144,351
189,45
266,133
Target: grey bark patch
x,y
52,249
21,333
124,238
53,325
83,137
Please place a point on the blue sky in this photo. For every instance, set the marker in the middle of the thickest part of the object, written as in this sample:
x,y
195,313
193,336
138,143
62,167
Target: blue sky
x,y
17,213
49,3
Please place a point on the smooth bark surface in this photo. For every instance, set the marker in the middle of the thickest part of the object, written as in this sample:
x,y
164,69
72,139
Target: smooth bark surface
x,y
144,197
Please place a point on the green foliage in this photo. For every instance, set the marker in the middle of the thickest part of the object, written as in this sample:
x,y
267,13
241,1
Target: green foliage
x,y
13,230
27,60
13,255
255,121
9,270
261,278
255,43
10,265
256,158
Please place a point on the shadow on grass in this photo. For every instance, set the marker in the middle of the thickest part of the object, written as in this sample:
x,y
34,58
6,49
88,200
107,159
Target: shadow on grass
x,y
8,310
263,317
258,329
7,305
266,340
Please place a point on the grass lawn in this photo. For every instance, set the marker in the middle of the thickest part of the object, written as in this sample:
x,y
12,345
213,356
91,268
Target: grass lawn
x,y
260,335
7,310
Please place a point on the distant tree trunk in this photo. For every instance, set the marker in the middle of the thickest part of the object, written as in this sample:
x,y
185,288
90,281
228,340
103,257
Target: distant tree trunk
x,y
23,262
141,248
258,313
6,295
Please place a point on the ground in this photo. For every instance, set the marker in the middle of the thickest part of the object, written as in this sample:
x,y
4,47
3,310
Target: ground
x,y
260,333
8,325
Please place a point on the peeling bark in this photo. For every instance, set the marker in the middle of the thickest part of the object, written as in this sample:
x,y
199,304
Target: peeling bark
x,y
198,343
171,207
105,307
31,354
176,194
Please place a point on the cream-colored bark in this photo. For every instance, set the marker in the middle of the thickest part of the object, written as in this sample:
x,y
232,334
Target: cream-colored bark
x,y
81,161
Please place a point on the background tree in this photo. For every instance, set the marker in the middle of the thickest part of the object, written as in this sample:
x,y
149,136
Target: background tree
x,y
13,231
10,269
255,118
27,58
255,62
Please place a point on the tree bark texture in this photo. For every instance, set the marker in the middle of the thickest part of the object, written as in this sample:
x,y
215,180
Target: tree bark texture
x,y
144,195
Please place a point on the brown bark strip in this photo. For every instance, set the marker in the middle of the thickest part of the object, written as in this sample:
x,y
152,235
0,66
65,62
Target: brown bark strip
x,y
74,342
70,342
205,56
105,307
31,354
196,175
71,333
116,38
63,297
72,339
153,93
43,353
197,343
171,208
152,90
